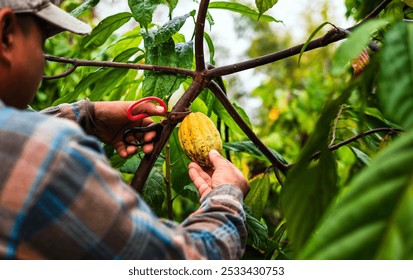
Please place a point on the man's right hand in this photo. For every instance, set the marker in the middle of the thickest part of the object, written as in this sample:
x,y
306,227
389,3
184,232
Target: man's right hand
x,y
223,172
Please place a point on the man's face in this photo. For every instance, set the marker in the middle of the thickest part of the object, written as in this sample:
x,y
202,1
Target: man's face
x,y
29,61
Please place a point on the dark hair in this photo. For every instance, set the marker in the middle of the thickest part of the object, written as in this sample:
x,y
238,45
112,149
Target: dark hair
x,y
25,23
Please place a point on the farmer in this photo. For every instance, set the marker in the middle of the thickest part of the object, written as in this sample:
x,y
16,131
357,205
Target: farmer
x,y
59,196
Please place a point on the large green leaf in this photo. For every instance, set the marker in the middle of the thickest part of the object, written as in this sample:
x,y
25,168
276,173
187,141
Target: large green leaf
x,y
373,218
153,191
241,9
107,83
105,29
311,186
258,195
395,81
166,54
142,10
162,50
257,232
165,32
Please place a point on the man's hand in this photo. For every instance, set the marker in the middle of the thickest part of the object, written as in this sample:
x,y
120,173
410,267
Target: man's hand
x,y
111,121
224,172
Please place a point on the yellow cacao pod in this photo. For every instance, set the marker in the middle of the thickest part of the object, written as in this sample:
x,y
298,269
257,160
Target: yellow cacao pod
x,y
197,136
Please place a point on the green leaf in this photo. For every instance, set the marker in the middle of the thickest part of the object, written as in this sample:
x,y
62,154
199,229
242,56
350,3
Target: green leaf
x,y
163,34
222,113
311,185
107,83
142,10
130,165
355,44
130,39
86,82
83,7
373,218
395,82
153,193
361,155
265,5
258,194
167,54
211,48
179,165
161,50
105,29
241,9
190,192
250,148
257,232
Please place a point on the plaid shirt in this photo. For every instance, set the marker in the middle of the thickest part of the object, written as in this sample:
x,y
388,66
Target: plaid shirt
x,y
60,199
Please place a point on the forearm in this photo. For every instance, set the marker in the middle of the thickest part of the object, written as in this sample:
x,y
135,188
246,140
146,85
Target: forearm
x,y
81,112
218,228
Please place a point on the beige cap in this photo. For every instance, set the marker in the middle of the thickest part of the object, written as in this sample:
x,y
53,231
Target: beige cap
x,y
58,19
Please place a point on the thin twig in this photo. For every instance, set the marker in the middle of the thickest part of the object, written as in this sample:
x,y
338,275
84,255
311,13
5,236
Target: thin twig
x,y
333,136
111,64
334,147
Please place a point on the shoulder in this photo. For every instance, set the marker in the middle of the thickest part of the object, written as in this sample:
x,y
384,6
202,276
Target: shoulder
x,y
43,129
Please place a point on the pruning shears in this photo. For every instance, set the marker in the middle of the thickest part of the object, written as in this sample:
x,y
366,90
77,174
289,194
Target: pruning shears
x,y
158,127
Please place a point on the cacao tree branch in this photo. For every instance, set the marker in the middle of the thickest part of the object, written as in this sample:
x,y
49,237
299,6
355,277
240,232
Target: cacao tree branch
x,y
331,36
110,64
199,36
244,126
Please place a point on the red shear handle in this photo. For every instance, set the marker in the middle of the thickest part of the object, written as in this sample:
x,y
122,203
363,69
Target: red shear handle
x,y
133,117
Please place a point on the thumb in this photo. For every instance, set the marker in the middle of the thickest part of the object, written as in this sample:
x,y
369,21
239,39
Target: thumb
x,y
216,159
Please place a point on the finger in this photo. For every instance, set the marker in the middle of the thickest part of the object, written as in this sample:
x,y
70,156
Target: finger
x,y
131,150
148,139
148,148
199,182
149,108
196,177
204,175
121,149
149,136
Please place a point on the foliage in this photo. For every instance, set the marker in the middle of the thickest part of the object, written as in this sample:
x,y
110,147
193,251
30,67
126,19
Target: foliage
x,y
345,139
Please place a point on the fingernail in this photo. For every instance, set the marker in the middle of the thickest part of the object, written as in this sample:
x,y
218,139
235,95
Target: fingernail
x,y
214,152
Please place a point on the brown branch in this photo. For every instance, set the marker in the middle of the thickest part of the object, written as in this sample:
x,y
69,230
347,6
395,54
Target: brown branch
x,y
244,126
199,35
125,65
331,36
64,74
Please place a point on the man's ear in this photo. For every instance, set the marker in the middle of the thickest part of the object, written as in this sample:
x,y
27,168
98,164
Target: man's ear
x,y
8,27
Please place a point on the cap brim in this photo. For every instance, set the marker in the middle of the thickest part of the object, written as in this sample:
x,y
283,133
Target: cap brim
x,y
62,21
